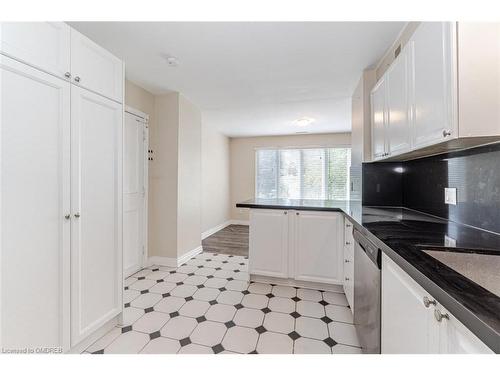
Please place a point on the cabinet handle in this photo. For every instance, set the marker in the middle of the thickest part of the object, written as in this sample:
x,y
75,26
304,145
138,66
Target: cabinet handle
x,y
67,75
67,217
440,316
446,133
285,213
348,225
77,79
346,279
346,260
428,302
347,243
77,215
297,213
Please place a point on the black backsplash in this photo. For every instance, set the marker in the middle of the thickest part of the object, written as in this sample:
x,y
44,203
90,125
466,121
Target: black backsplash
x,y
419,184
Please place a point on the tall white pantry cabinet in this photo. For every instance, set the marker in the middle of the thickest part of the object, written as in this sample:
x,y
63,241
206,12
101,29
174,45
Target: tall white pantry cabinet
x,y
61,108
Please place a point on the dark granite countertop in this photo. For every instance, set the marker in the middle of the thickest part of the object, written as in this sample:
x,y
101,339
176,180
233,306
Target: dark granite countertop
x,y
296,204
403,234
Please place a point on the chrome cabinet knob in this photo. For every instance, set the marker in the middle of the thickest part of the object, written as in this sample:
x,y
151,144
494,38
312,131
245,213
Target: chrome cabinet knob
x,y
67,217
440,316
67,75
77,215
77,79
428,302
446,133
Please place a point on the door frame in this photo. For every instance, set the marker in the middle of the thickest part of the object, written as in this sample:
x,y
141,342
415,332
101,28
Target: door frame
x,y
144,118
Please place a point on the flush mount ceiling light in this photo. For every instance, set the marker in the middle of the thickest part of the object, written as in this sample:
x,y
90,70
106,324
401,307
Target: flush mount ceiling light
x,y
172,61
303,121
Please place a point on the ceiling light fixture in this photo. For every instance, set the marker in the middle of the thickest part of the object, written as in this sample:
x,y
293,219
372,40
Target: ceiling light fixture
x,y
303,121
172,61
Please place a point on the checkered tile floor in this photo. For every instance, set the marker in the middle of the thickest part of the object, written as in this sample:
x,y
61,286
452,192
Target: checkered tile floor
x,y
208,306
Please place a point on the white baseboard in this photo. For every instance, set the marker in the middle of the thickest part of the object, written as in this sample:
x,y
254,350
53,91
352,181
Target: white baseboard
x,y
190,254
162,261
174,262
240,222
219,227
215,229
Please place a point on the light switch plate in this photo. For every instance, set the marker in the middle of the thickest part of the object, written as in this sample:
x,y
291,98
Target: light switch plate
x,y
450,196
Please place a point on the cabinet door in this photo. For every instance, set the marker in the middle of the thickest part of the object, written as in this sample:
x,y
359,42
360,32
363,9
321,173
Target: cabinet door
x,y
434,72
379,118
95,68
407,325
34,199
268,243
44,45
96,252
318,246
398,119
455,338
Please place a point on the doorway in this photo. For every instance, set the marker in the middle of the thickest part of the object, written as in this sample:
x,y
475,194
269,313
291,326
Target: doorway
x,y
135,190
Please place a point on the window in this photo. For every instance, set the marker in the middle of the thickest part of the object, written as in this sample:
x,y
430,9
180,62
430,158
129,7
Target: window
x,y
312,173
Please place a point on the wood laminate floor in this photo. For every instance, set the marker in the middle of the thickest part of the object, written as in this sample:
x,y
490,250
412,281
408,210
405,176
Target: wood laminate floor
x,y
232,240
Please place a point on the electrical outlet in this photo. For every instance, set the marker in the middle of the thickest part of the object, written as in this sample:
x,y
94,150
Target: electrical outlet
x,y
450,196
449,241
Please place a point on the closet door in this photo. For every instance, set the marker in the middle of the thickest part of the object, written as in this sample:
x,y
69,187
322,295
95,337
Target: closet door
x,y
96,236
95,68
34,200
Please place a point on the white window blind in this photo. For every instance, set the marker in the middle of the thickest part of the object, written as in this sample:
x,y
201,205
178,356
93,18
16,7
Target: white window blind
x,y
312,173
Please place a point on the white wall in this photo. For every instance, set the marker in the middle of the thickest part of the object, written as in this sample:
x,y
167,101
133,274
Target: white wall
x,y
189,178
242,153
163,178
215,163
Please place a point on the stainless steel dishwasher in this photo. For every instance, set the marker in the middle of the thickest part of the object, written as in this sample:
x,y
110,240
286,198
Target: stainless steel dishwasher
x,y
367,264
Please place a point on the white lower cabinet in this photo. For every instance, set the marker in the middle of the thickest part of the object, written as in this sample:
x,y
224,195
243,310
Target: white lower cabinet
x,y
268,243
300,245
410,323
318,247
96,255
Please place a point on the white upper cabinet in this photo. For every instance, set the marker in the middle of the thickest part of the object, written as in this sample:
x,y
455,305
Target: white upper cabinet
x,y
318,247
379,120
398,83
434,84
43,45
94,68
440,94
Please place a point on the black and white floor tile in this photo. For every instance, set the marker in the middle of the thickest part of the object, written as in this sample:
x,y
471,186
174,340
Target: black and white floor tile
x,y
207,306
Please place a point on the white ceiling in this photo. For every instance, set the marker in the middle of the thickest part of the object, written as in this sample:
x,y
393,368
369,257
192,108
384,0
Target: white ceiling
x,y
252,78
